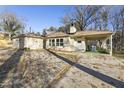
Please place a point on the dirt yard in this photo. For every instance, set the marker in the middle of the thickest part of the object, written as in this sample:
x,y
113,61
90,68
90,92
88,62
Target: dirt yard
x,y
94,70
20,68
28,68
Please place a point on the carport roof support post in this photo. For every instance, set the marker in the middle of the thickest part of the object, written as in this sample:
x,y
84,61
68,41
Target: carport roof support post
x,y
111,45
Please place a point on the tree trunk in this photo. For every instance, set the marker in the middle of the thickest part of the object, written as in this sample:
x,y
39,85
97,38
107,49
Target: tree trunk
x,y
9,36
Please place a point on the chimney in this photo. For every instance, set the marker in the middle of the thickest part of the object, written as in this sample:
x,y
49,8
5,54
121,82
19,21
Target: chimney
x,y
72,29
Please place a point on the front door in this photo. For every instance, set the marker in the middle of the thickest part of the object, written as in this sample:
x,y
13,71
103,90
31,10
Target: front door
x,y
80,46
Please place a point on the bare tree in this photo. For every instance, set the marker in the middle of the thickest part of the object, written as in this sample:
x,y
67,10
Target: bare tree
x,y
122,21
117,22
66,19
122,27
11,23
44,32
84,16
103,18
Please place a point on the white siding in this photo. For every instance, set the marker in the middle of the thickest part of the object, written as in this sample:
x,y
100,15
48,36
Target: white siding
x,y
29,42
70,44
33,43
15,43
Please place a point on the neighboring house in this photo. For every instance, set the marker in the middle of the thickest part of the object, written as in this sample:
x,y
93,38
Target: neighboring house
x,y
71,41
28,41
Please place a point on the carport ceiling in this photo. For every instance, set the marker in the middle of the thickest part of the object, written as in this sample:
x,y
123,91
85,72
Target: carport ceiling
x,y
96,37
92,35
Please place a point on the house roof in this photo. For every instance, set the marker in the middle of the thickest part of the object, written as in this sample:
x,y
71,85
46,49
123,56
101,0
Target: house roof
x,y
57,34
87,34
27,35
49,32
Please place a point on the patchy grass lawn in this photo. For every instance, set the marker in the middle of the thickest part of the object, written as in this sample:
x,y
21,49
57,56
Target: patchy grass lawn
x,y
94,70
120,57
20,68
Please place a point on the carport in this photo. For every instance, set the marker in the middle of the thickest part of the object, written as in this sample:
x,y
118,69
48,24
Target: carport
x,y
95,35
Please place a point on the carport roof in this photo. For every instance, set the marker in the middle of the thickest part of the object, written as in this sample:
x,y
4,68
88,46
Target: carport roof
x,y
92,35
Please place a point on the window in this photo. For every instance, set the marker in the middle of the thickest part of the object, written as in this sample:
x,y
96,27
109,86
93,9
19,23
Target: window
x,y
79,41
50,42
61,42
57,42
53,42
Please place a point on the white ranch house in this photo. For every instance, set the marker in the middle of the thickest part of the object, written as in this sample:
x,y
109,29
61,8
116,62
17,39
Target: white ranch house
x,y
71,41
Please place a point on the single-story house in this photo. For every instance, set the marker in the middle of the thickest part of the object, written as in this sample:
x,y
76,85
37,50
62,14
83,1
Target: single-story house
x,y
71,41
77,40
28,41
